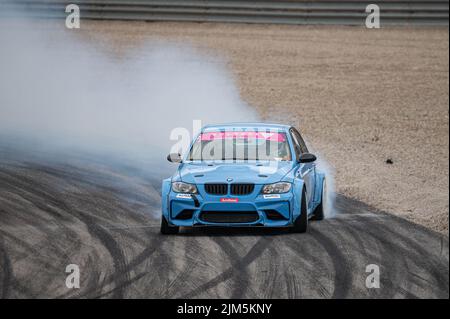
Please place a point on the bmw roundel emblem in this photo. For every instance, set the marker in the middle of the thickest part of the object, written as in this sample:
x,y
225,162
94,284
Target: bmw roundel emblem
x,y
229,179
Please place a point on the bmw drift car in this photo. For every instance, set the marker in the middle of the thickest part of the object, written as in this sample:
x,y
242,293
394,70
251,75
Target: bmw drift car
x,y
244,174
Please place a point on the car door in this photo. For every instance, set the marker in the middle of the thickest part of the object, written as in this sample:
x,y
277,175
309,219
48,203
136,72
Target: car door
x,y
306,171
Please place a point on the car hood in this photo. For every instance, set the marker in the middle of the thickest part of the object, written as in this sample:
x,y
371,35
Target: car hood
x,y
261,173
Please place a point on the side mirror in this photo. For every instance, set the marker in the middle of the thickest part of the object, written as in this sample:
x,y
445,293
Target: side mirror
x,y
174,158
307,158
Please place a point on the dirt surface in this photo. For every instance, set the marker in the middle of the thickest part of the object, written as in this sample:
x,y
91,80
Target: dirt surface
x,y
103,215
363,98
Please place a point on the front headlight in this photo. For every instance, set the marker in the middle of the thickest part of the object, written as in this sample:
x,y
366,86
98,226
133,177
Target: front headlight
x,y
180,187
277,188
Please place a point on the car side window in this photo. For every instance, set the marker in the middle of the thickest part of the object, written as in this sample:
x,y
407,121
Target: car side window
x,y
296,143
300,140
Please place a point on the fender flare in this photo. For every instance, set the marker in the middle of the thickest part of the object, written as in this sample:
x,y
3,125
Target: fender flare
x,y
165,190
320,177
299,184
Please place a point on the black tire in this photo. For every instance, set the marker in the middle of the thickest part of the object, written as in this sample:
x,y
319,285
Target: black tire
x,y
319,212
166,229
301,223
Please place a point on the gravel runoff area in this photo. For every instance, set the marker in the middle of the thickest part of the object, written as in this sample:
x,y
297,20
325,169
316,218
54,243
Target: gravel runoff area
x,y
374,103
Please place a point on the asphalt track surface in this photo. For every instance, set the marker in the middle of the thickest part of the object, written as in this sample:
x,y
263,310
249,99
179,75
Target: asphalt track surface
x,y
103,216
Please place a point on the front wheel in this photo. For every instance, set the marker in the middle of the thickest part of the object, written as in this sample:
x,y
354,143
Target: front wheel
x,y
301,223
166,229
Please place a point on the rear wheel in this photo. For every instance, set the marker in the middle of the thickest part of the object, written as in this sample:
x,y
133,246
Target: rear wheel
x,y
319,213
301,223
166,229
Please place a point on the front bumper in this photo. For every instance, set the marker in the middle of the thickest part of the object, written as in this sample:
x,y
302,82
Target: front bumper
x,y
184,210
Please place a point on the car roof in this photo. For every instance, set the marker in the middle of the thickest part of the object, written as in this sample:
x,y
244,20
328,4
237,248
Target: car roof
x,y
249,125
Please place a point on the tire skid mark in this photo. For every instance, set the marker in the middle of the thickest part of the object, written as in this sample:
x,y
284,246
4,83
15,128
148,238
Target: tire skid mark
x,y
112,246
191,246
44,197
94,229
38,195
240,276
144,255
94,281
164,267
254,252
292,244
30,277
129,267
292,285
387,257
7,270
27,291
384,256
34,195
121,286
33,250
392,260
98,197
440,277
85,178
391,256
416,254
21,291
343,275
271,275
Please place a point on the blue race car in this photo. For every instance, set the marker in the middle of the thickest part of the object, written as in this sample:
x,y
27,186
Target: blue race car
x,y
244,174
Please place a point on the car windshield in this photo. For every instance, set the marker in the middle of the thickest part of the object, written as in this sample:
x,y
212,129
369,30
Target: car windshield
x,y
240,145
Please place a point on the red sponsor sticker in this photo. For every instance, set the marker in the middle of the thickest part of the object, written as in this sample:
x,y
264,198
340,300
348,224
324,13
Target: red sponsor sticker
x,y
229,200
